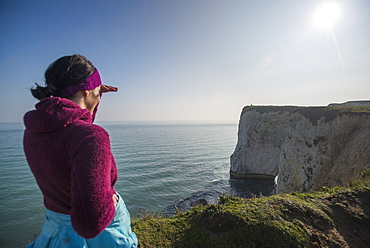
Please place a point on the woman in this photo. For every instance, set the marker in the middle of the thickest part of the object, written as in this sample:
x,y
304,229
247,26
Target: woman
x,y
72,161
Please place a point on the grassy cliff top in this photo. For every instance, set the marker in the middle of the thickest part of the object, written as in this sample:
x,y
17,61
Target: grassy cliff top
x,y
332,218
313,113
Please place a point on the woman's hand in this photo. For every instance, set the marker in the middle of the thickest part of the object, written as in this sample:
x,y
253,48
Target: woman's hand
x,y
115,200
107,88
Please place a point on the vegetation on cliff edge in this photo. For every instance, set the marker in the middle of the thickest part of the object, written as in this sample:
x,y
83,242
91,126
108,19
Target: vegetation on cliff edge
x,y
313,113
335,217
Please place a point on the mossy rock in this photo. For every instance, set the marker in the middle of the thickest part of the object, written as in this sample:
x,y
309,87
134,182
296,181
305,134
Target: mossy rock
x,y
337,217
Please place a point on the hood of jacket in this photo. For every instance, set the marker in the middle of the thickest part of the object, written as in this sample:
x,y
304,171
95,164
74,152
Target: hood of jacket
x,y
54,113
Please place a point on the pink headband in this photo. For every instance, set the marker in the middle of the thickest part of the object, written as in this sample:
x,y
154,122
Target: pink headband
x,y
90,83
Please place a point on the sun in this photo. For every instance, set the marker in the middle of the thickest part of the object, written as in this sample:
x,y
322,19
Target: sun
x,y
327,14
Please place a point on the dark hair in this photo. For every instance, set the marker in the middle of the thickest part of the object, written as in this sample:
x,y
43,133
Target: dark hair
x,y
64,72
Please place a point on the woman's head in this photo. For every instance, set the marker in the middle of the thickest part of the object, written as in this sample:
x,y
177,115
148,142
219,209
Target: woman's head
x,y
62,73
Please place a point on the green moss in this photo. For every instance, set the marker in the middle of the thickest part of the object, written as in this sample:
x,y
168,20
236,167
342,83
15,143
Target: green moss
x,y
362,181
287,220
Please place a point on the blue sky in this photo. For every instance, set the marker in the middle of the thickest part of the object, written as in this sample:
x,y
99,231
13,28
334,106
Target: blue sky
x,y
188,60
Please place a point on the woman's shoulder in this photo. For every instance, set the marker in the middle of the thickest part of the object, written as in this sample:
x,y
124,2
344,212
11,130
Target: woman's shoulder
x,y
82,129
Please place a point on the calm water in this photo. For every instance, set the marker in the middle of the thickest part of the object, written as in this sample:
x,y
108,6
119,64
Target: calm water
x,y
159,163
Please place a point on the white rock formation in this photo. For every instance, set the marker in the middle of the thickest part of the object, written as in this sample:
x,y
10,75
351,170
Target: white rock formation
x,y
260,138
307,147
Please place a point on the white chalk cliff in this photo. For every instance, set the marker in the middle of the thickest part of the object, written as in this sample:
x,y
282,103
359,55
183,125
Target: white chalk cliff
x,y
307,147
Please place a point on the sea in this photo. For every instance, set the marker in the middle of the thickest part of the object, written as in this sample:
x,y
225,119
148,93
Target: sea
x,y
162,166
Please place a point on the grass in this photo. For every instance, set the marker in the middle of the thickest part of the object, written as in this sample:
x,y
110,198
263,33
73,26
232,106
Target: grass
x,y
362,181
317,219
313,113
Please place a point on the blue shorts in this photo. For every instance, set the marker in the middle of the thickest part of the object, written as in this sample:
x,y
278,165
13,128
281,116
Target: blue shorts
x,y
57,231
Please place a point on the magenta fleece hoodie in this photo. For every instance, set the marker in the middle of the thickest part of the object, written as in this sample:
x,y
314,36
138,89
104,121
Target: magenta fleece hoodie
x,y
72,162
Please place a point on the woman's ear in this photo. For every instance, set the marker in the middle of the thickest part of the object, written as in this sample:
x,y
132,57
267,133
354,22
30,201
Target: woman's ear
x,y
86,93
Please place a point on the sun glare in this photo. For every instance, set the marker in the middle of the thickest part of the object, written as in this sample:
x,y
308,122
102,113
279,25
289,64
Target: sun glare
x,y
326,15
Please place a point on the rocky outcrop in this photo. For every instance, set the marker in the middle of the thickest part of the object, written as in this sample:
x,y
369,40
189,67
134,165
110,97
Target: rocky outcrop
x,y
307,147
260,137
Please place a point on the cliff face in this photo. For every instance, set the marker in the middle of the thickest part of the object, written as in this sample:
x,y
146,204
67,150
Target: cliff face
x,y
260,138
306,147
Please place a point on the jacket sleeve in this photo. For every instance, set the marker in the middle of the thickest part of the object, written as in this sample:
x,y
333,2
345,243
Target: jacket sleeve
x,y
92,207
